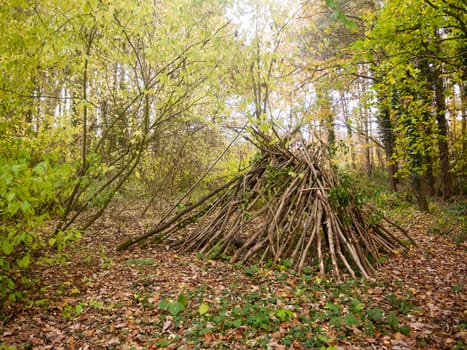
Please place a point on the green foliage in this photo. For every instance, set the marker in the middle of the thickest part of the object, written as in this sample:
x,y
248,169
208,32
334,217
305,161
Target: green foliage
x,y
405,86
107,262
203,309
174,307
148,261
4,347
392,320
404,305
339,195
307,270
339,15
375,315
450,220
251,270
350,320
404,329
374,191
30,191
276,176
285,265
333,309
356,305
350,188
70,311
215,251
63,238
284,314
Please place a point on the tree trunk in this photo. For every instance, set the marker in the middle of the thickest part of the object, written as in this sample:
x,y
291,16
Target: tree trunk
x,y
389,142
364,126
463,92
443,146
418,191
430,178
348,126
326,116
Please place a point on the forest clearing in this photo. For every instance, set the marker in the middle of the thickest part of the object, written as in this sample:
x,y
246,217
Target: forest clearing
x,y
233,174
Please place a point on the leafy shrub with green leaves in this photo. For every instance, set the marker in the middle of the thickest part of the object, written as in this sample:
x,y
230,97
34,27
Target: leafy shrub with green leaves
x,y
374,190
30,190
450,220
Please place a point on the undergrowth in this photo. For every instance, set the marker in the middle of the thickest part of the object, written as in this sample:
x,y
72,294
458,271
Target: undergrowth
x,y
284,309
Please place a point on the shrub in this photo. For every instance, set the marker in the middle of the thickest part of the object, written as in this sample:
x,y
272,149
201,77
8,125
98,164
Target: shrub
x,y
30,190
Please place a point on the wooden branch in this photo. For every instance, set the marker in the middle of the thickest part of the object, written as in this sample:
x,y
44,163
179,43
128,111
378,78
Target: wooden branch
x,y
160,227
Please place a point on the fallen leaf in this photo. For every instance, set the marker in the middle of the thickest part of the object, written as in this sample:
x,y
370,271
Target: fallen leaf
x,y
166,325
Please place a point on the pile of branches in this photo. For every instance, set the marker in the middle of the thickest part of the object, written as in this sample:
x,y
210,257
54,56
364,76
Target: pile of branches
x,y
290,204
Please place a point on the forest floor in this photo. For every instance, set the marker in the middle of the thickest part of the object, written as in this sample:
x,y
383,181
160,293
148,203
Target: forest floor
x,y
151,297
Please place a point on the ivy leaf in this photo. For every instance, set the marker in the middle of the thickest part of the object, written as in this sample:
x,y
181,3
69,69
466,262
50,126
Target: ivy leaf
x,y
393,320
356,305
284,314
24,261
237,323
375,314
79,308
26,208
182,299
175,308
7,246
163,304
350,320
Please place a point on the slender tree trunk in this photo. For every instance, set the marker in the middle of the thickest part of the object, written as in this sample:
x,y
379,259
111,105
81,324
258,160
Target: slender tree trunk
x,y
443,145
464,123
84,148
84,87
463,158
365,127
326,116
389,142
430,178
348,126
371,148
379,156
367,146
331,133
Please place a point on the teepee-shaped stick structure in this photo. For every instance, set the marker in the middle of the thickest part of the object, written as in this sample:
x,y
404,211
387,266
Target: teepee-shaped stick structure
x,y
290,204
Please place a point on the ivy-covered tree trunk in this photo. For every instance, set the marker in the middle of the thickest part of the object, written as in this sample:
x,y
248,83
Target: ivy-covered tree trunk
x,y
464,126
429,176
426,95
416,183
443,145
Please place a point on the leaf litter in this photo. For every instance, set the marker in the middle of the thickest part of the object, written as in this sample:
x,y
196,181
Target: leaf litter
x,y
151,297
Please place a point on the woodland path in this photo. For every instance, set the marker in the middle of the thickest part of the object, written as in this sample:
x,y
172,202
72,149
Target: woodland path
x,y
101,299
